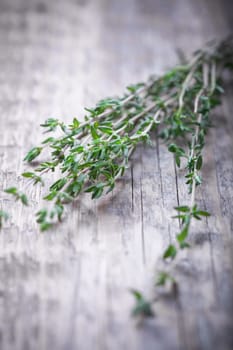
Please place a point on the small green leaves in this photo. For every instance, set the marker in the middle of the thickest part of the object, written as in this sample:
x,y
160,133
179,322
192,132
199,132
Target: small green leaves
x,y
17,194
51,124
170,252
45,166
96,190
44,216
41,215
58,210
92,112
142,307
197,213
33,176
185,214
45,226
58,185
3,217
178,151
135,88
33,153
163,278
75,124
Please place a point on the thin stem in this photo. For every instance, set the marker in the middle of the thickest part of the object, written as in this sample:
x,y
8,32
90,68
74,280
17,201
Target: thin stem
x,y
185,85
197,129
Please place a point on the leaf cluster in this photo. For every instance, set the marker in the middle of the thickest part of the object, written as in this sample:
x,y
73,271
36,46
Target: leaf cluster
x,y
143,307
18,195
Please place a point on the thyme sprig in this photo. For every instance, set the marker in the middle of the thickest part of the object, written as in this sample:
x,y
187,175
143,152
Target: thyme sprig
x,y
184,133
203,102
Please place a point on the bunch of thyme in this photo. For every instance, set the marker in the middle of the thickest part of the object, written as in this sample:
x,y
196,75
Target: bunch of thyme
x,y
90,155
184,131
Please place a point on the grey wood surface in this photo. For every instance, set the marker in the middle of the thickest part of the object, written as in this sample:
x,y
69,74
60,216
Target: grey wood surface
x,y
68,289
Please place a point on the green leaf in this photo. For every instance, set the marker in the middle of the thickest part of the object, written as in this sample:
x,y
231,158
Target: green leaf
x,y
172,148
28,175
91,111
44,226
196,216
57,186
94,133
59,209
170,252
138,295
183,208
181,237
38,179
219,89
11,190
199,163
48,140
91,188
33,153
97,194
184,245
78,149
177,159
50,196
24,199
76,123
105,130
198,180
202,213
65,196
74,188
47,165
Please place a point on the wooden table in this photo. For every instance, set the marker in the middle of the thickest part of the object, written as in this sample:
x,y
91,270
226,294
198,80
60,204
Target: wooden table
x,y
68,289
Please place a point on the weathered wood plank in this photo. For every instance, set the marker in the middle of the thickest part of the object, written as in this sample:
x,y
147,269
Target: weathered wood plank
x,y
68,289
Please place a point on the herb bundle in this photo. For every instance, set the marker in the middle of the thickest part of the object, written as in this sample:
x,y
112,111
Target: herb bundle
x,y
90,155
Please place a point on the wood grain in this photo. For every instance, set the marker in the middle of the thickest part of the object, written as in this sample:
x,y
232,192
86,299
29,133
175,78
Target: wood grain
x,y
68,289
